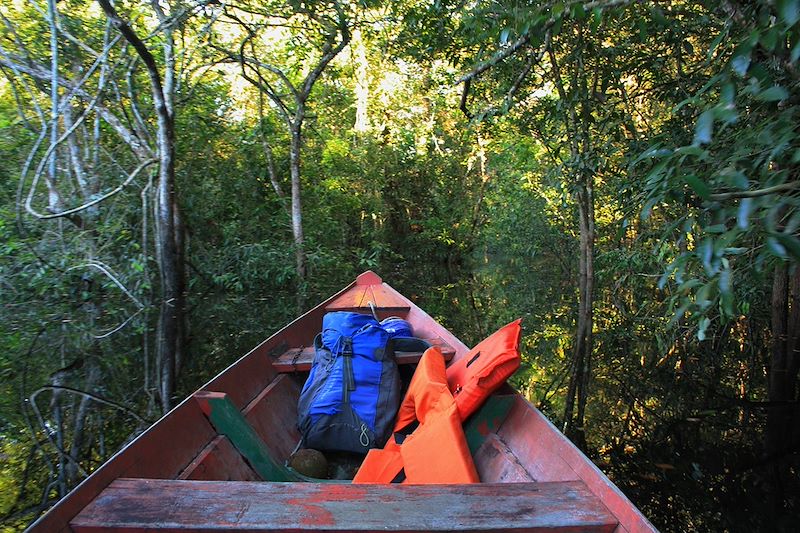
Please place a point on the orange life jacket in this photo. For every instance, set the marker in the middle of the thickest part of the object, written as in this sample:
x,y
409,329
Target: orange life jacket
x,y
486,367
436,451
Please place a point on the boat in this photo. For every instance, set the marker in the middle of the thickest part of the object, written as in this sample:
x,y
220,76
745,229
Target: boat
x,y
202,466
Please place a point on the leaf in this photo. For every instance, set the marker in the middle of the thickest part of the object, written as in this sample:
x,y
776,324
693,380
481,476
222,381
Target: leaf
x,y
715,45
702,327
504,35
795,52
703,297
728,94
597,18
789,11
740,64
773,94
743,215
769,39
727,304
704,127
557,10
777,248
698,185
705,252
690,150
790,243
686,286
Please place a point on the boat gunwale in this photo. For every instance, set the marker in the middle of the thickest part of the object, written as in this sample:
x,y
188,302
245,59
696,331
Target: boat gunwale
x,y
58,517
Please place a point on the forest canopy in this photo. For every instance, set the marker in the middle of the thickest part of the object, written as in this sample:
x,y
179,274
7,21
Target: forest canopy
x,y
179,179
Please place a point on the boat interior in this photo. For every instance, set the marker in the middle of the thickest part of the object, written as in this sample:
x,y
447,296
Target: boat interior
x,y
216,461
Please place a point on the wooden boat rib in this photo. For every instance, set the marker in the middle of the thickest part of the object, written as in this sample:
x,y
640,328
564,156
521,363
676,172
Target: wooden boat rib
x,y
188,473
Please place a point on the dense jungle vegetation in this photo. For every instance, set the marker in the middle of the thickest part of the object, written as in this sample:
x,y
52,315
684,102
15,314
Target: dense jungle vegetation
x,y
179,178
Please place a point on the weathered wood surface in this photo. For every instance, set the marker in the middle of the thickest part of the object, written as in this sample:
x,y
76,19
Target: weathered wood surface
x,y
496,464
273,416
170,505
163,451
300,359
229,421
370,289
219,461
548,455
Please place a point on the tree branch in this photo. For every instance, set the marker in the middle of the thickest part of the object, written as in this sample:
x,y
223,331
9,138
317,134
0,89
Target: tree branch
x,y
792,185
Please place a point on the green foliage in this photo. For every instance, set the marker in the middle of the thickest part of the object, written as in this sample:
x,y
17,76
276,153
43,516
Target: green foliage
x,y
686,119
735,180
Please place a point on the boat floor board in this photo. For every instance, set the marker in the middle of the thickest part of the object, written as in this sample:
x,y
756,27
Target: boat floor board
x,y
219,461
273,416
495,462
174,505
300,359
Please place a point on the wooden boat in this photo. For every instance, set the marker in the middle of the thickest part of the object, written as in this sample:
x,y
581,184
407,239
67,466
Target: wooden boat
x,y
200,467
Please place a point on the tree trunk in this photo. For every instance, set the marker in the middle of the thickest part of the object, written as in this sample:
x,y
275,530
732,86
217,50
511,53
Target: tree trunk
x,y
587,295
170,336
581,359
777,421
361,124
297,211
171,315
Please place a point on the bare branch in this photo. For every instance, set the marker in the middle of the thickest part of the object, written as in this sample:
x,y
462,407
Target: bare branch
x,y
783,187
524,39
105,269
38,72
87,205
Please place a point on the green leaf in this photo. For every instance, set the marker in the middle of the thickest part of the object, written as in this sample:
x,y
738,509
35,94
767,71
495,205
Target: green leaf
x,y
773,94
715,45
698,185
578,12
703,297
557,10
777,248
705,252
728,94
789,11
597,18
686,286
769,39
741,62
743,215
704,127
659,17
795,52
702,327
690,150
790,243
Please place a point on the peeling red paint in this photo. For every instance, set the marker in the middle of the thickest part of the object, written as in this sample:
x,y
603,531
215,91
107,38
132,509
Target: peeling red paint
x,y
313,515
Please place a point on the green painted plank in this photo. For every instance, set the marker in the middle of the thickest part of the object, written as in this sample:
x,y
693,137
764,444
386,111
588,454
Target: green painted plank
x,y
229,421
487,420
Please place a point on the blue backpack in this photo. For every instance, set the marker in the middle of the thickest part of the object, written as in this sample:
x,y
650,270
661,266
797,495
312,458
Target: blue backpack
x,y
352,393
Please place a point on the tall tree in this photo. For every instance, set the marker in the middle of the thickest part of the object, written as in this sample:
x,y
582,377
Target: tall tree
x,y
171,337
321,30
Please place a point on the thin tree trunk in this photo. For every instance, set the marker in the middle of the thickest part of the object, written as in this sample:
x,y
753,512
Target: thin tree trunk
x,y
169,242
587,295
361,124
775,438
297,211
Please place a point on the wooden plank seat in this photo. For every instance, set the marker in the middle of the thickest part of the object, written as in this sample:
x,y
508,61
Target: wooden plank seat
x,y
300,359
180,505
